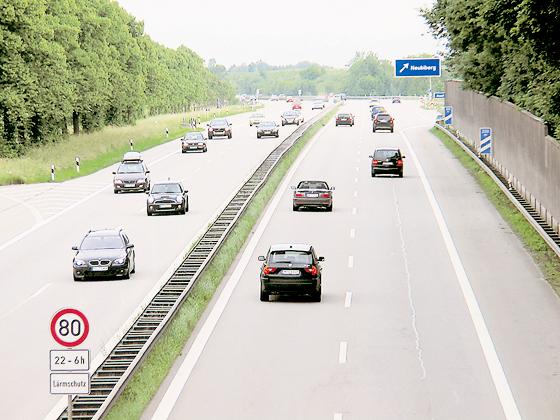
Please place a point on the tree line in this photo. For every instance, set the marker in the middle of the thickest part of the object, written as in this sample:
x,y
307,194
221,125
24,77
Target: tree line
x,y
367,74
507,48
84,64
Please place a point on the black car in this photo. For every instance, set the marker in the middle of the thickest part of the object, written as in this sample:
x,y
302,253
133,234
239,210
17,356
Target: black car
x,y
102,254
396,100
383,121
167,197
387,161
291,269
131,175
267,128
193,142
219,127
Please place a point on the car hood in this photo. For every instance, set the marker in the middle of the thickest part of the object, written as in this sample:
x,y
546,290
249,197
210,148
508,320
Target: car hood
x,y
171,196
130,177
98,254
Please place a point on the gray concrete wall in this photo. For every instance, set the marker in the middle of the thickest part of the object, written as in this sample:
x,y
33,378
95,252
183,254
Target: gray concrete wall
x,y
523,150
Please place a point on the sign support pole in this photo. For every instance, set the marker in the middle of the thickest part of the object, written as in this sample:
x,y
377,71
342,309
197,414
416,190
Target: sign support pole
x,y
69,410
431,94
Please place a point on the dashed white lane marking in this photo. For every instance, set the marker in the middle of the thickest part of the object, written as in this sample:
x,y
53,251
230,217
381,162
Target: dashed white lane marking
x,y
357,169
354,210
348,300
342,352
355,193
30,298
337,416
183,374
355,180
352,233
350,261
491,356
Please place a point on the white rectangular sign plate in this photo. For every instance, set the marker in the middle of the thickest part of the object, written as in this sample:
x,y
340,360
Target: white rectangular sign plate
x,y
69,383
69,360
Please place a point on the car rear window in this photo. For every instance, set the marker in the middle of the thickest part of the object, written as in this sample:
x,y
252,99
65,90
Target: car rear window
x,y
313,185
381,115
93,242
343,115
386,154
290,257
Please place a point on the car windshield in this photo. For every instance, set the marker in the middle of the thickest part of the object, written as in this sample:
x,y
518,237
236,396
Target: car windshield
x,y
194,136
290,257
386,154
93,242
267,124
166,188
218,123
380,115
343,115
313,185
290,114
130,168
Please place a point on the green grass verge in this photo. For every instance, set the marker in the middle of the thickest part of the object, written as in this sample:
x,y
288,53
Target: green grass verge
x,y
100,149
147,379
545,258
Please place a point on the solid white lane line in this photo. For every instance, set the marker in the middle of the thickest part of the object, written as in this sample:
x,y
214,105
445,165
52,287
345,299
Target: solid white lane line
x,y
33,296
352,233
172,394
337,416
348,300
343,350
357,169
350,261
354,210
356,180
355,193
491,356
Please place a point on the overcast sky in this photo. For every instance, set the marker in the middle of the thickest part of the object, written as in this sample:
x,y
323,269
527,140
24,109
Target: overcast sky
x,y
287,31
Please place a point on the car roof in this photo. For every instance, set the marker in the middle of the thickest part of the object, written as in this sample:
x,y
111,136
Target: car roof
x,y
166,183
387,149
104,232
287,247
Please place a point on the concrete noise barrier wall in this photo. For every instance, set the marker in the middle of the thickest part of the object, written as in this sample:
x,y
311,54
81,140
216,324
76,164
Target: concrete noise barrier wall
x,y
522,149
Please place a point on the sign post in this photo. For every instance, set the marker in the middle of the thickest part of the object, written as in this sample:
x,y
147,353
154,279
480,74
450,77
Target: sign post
x,y
486,141
69,368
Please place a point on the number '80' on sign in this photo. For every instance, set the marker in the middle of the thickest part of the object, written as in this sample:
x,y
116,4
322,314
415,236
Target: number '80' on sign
x,y
69,327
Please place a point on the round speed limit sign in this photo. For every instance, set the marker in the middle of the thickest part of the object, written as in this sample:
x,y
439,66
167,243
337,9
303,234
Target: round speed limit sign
x,y
69,327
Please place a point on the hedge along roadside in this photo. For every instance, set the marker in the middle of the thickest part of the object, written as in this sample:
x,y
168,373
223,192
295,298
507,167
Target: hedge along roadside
x,y
100,149
146,381
546,258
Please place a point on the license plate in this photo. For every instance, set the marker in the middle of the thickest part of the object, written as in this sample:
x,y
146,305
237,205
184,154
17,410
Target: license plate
x,y
387,163
290,272
313,195
129,185
99,268
165,206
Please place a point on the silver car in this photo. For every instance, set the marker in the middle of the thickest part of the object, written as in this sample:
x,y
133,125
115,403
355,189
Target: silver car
x,y
312,194
291,117
318,105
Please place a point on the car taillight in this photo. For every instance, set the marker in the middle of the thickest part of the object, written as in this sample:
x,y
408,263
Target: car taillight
x,y
375,119
269,270
312,270
375,162
399,162
299,195
325,195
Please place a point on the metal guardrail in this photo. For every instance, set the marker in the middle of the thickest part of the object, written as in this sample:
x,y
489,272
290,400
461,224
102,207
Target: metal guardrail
x,y
109,379
543,228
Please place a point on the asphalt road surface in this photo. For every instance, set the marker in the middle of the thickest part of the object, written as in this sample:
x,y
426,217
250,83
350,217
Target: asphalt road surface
x,y
432,308
40,223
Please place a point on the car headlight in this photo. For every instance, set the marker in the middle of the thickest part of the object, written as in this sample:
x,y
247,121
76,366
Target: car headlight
x,y
179,199
201,144
79,263
118,181
141,181
150,200
119,261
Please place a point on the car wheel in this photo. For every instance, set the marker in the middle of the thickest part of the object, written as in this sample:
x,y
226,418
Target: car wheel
x,y
229,136
148,212
209,136
400,174
283,124
372,173
329,208
258,136
277,135
127,275
391,130
265,297
116,191
76,278
316,296
187,206
205,149
373,130
294,207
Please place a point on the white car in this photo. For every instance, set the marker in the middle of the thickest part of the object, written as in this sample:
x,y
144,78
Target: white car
x,y
318,105
256,119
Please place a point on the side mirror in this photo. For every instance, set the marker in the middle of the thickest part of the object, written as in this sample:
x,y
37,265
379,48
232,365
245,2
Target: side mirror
x,y
262,258
130,246
114,173
402,157
370,156
207,125
293,187
321,259
147,172
186,191
74,248
148,192
332,188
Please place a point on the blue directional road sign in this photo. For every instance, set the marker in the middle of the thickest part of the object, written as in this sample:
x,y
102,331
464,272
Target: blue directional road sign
x,y
418,67
439,95
485,141
448,115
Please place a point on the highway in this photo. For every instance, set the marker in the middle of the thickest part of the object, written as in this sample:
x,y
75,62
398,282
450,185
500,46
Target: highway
x,y
432,308
40,223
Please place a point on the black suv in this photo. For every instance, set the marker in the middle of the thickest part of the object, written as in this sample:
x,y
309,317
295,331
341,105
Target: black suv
x,y
166,197
104,253
291,269
387,161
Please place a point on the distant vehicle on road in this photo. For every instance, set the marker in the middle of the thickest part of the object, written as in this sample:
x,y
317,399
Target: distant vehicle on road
x,y
373,102
290,99
296,105
291,269
376,110
167,197
256,118
273,98
387,161
344,119
318,105
281,97
291,117
104,253
267,128
316,194
298,111
131,176
383,121
396,100
194,142
219,127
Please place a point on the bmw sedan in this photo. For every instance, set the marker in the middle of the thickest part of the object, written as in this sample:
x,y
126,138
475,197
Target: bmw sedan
x,y
193,142
167,197
291,117
102,254
267,128
312,194
291,269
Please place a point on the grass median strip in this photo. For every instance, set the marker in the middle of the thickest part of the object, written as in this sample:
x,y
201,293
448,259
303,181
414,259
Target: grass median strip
x,y
102,148
545,258
147,379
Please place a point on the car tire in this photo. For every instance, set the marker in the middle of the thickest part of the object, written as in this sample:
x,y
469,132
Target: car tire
x,y
372,173
265,297
148,212
401,174
229,136
392,130
316,296
373,130
127,275
116,191
295,208
277,135
210,136
187,206
205,149
76,278
329,208
283,124
258,136
133,266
